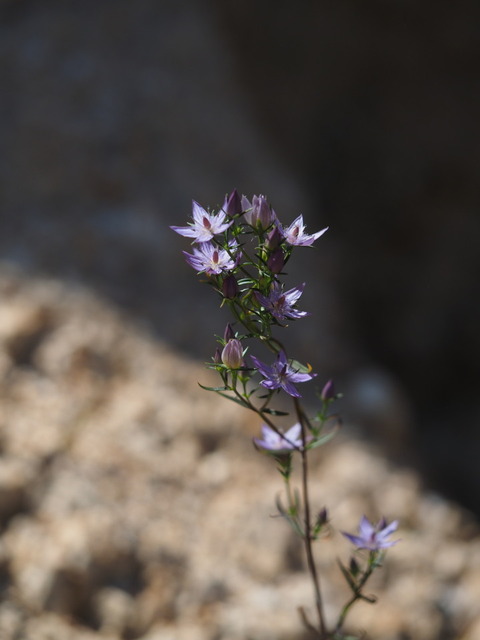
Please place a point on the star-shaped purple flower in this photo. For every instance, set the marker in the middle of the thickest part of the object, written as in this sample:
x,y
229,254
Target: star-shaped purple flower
x,y
281,375
210,259
204,225
281,304
273,441
373,537
295,234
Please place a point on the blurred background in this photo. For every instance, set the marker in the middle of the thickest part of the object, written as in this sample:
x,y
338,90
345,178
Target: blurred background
x,y
361,116
114,115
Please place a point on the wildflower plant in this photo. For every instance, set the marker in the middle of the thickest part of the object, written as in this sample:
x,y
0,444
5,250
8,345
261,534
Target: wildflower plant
x,y
243,250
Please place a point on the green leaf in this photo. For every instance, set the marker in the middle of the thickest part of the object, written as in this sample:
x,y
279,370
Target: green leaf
x,y
348,577
292,520
213,388
274,412
318,442
242,403
370,599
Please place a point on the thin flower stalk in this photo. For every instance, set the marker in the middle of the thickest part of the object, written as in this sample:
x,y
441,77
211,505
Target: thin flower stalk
x,y
243,250
307,538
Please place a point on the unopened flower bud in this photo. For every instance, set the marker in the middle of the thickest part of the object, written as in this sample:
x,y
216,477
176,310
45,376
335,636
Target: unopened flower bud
x,y
322,518
274,238
230,287
217,356
354,568
246,205
276,261
258,214
232,354
328,392
228,333
233,204
262,211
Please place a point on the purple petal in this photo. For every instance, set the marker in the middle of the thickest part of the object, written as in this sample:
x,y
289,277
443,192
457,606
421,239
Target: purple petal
x,y
293,434
290,389
390,529
386,545
198,213
294,314
319,233
264,369
269,435
270,384
188,232
366,529
194,261
292,295
301,377
357,541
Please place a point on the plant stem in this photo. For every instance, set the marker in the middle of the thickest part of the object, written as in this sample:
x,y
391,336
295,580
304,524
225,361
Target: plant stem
x,y
357,595
323,634
246,402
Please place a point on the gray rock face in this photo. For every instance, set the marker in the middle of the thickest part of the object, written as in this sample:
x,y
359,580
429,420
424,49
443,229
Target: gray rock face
x,y
133,504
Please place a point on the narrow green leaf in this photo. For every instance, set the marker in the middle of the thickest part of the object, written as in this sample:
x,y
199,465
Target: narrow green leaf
x,y
370,599
348,577
274,412
213,388
242,403
318,442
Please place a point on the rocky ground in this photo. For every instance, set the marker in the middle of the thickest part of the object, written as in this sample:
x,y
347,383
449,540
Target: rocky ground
x,y
133,505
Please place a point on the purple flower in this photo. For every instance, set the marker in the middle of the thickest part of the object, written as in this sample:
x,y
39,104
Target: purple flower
x,y
280,304
273,441
281,375
210,258
204,225
295,234
373,537
232,354
258,214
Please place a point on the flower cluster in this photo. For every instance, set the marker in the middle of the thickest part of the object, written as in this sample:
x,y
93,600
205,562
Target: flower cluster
x,y
248,277
243,250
